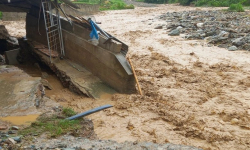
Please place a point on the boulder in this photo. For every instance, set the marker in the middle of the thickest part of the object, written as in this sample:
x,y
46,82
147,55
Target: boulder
x,y
158,27
238,41
199,25
232,48
174,32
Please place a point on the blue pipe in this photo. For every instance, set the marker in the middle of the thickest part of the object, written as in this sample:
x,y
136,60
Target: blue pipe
x,y
89,112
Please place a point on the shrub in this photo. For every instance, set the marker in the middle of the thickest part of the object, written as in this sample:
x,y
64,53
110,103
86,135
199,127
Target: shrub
x,y
236,7
115,5
173,1
245,2
68,112
220,3
156,1
185,2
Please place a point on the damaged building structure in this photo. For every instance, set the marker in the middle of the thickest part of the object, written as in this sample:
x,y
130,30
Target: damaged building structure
x,y
62,41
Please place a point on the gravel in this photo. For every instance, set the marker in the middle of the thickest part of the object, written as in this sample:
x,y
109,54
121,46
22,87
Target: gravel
x,y
221,28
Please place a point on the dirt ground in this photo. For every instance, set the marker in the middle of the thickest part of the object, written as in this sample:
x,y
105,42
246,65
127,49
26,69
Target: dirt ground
x,y
193,94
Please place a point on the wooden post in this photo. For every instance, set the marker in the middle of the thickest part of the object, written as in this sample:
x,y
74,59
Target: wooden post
x,y
132,67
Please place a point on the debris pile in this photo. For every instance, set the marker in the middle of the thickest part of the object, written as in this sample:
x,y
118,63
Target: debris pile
x,y
225,29
7,42
8,137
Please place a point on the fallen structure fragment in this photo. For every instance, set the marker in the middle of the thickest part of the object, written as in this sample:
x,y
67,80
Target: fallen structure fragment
x,y
65,46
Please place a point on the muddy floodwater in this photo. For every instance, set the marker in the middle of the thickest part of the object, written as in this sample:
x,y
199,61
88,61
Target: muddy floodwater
x,y
193,94
20,120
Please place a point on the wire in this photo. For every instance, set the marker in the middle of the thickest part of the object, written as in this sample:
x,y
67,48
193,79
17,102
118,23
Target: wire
x,y
39,19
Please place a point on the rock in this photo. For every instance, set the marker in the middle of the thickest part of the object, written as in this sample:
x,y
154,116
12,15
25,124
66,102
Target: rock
x,y
62,146
32,146
4,135
210,33
11,141
46,84
44,75
2,59
14,128
194,17
174,32
12,132
223,34
2,127
13,40
179,27
246,46
232,48
200,31
199,25
234,121
158,27
238,41
149,23
17,139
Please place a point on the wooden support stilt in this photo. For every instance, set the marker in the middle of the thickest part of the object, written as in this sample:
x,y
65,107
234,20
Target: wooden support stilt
x,y
136,79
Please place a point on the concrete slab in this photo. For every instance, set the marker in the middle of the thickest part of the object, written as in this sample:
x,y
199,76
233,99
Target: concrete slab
x,y
19,92
83,79
73,75
11,57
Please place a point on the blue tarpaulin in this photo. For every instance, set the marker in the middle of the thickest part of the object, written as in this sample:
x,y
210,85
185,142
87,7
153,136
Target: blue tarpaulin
x,y
94,32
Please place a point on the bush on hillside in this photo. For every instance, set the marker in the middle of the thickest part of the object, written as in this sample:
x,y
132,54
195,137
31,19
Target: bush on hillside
x,y
156,1
236,7
115,5
220,3
185,2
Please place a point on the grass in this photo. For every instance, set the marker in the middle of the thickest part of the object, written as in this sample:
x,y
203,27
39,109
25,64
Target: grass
x,y
236,7
53,126
68,112
115,5
107,4
221,3
87,2
1,15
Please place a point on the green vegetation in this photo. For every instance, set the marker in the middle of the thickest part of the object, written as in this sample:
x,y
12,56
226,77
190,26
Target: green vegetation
x,y
1,15
236,7
53,125
87,2
156,1
211,3
185,2
68,112
220,3
108,4
115,5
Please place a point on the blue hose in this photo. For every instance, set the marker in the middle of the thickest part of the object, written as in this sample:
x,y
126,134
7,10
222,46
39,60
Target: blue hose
x,y
89,112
